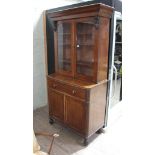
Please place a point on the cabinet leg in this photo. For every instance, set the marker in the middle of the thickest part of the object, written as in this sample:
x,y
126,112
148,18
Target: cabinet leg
x,y
85,141
100,131
51,121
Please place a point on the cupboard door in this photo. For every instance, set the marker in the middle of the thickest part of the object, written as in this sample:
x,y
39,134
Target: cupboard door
x,y
64,47
56,105
75,114
85,48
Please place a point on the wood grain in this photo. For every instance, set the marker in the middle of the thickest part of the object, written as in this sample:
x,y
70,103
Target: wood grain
x,y
75,114
71,90
103,47
99,9
56,105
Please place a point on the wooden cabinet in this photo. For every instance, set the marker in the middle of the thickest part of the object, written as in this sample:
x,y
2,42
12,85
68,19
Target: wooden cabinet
x,y
77,76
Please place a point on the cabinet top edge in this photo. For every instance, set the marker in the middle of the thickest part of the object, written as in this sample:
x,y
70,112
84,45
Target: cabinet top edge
x,y
80,9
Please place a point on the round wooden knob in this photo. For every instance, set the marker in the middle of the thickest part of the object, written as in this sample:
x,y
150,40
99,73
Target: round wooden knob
x,y
73,91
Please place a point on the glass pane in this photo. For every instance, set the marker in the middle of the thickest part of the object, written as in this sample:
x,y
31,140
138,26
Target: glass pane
x,y
64,46
85,48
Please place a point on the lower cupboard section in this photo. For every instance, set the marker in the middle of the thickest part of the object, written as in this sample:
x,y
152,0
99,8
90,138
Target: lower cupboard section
x,y
68,110
83,116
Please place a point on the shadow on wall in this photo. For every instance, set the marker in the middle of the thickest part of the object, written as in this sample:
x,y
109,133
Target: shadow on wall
x,y
39,75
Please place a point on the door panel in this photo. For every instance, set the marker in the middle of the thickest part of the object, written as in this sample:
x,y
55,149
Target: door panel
x,y
56,105
75,113
64,34
85,48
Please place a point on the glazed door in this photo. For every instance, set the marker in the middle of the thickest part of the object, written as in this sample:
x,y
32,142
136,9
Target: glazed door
x,y
64,47
56,105
85,49
75,113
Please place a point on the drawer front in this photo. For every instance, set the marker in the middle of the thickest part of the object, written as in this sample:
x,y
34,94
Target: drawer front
x,y
71,90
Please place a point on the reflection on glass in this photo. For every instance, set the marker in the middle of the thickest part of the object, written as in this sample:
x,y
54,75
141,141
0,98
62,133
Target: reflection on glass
x,y
85,45
64,46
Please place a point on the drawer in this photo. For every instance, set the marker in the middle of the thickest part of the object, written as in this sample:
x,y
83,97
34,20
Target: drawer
x,y
66,88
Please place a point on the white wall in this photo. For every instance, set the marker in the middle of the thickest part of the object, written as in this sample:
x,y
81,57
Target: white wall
x,y
39,80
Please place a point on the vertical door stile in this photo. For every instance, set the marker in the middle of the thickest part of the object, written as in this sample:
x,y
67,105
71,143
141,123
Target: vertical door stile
x,y
56,49
74,47
64,108
96,36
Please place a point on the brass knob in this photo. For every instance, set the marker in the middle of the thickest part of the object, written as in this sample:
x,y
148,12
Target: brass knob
x,y
73,92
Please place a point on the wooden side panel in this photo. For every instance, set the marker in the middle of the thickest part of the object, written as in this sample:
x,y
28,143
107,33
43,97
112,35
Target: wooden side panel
x,y
103,46
56,105
97,108
75,114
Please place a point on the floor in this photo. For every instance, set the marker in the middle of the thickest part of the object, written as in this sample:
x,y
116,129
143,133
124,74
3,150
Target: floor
x,y
68,143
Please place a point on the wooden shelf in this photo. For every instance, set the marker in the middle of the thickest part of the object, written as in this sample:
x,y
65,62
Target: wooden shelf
x,y
85,64
79,63
68,61
84,34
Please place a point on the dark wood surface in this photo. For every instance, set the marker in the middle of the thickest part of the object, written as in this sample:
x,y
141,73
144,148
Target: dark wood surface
x,y
75,114
80,12
56,104
96,109
76,97
84,84
103,45
66,88
106,2
83,110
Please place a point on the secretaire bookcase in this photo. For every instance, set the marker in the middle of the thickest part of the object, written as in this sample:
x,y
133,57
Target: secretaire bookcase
x,y
77,66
